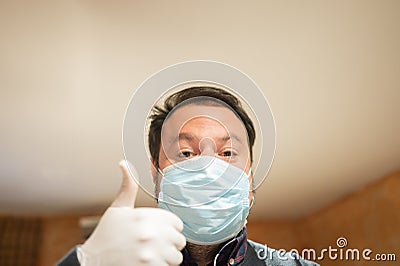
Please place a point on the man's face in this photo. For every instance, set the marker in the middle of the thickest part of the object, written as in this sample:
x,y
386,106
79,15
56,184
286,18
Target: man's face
x,y
196,130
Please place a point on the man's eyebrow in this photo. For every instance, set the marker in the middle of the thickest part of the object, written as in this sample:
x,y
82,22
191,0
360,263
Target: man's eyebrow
x,y
182,136
190,138
231,136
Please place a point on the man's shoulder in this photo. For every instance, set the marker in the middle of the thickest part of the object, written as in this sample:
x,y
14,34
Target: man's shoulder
x,y
278,257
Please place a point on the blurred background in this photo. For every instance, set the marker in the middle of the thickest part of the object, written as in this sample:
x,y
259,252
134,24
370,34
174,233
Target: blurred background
x,y
330,71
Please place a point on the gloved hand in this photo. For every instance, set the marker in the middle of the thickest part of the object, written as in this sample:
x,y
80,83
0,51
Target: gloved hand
x,y
129,236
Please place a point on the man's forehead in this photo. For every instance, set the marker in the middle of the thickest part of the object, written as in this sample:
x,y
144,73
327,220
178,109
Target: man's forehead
x,y
212,116
218,112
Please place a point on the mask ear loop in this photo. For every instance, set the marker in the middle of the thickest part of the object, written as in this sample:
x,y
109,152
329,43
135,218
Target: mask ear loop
x,y
157,183
252,201
160,171
253,191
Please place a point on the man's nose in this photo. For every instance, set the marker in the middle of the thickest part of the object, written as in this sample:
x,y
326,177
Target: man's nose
x,y
207,147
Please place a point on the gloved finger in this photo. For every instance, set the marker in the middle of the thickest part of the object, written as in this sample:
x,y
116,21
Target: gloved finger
x,y
149,258
176,238
172,256
169,217
146,256
160,216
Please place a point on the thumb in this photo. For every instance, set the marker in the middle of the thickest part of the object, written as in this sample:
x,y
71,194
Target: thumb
x,y
127,193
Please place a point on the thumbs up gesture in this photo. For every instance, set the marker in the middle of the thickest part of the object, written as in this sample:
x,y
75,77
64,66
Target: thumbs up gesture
x,y
127,235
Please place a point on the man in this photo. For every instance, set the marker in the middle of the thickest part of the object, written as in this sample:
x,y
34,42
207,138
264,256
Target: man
x,y
201,146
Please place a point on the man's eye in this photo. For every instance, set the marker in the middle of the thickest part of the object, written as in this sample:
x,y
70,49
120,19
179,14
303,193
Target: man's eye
x,y
228,154
185,154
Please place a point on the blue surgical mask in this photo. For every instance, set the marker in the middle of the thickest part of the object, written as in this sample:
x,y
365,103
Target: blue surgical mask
x,y
209,195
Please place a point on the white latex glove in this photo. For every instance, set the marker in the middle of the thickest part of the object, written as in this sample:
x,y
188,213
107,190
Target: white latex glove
x,y
129,236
